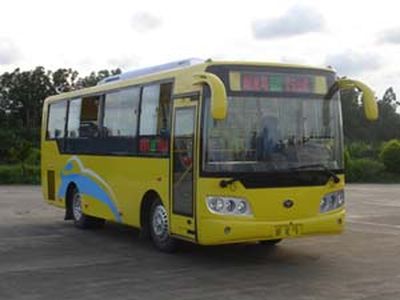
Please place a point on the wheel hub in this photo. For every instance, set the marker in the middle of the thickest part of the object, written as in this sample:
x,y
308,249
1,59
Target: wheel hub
x,y
76,207
160,221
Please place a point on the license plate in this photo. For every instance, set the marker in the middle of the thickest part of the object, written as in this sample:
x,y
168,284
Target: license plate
x,y
287,230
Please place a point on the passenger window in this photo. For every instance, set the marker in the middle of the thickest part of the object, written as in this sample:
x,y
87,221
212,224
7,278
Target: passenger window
x,y
149,113
155,119
74,115
56,121
164,111
89,122
121,113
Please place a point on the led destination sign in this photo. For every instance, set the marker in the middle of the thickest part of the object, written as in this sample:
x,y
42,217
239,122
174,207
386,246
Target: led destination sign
x,y
278,82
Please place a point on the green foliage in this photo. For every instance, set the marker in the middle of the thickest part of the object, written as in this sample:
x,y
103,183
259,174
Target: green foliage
x,y
64,80
20,152
390,156
12,174
94,78
7,140
347,157
364,170
21,98
357,128
22,94
363,150
33,157
26,156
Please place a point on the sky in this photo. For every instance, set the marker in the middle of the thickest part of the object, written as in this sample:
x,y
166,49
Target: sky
x,y
360,39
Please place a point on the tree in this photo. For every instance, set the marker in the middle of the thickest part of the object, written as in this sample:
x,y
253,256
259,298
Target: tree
x,y
64,80
20,153
94,77
352,115
22,94
357,128
389,97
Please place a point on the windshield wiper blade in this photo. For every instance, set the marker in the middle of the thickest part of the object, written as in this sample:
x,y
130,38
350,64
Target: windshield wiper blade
x,y
332,174
225,182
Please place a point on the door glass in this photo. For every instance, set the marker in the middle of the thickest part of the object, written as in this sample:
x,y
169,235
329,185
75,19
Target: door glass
x,y
183,161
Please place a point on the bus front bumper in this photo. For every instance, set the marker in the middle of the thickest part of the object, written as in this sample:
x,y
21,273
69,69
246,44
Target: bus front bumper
x,y
225,231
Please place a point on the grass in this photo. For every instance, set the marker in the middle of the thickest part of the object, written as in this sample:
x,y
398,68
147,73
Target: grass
x,y
15,174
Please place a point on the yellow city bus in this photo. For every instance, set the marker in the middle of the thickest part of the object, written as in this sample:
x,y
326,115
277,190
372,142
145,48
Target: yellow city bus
x,y
202,151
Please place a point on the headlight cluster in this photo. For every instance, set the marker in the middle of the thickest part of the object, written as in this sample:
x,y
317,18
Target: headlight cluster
x,y
332,201
228,206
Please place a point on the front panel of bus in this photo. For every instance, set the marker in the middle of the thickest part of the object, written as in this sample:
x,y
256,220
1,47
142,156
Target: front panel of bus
x,y
273,168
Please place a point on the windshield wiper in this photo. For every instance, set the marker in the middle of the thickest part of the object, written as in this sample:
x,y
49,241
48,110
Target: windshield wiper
x,y
225,182
332,174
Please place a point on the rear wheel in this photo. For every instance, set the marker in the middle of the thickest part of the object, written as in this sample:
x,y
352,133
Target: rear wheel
x,y
159,228
80,219
270,242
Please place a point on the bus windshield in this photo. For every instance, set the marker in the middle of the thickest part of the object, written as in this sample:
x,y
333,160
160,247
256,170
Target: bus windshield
x,y
267,134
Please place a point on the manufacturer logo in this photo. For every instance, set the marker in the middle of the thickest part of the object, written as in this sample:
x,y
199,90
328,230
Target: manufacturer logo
x,y
288,203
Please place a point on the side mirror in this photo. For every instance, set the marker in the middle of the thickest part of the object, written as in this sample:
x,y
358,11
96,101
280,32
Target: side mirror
x,y
368,97
219,102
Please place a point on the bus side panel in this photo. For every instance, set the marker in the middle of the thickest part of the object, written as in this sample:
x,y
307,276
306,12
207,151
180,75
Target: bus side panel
x,y
51,166
111,187
118,185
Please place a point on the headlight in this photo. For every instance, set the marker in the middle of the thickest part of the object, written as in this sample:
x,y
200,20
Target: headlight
x,y
332,201
228,206
216,204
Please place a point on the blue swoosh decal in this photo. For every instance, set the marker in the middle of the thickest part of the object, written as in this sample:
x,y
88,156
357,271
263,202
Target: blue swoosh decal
x,y
87,186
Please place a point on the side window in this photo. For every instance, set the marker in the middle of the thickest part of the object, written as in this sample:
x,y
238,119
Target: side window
x,y
163,126
56,121
149,111
155,119
83,126
74,115
89,121
121,113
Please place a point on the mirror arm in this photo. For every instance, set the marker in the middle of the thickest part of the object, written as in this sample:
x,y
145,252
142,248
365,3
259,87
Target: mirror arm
x,y
368,97
219,103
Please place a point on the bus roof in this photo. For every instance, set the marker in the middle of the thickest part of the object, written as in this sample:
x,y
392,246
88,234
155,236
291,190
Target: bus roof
x,y
183,69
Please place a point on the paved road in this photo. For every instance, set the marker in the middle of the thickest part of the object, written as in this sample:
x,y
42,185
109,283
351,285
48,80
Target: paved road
x,y
43,257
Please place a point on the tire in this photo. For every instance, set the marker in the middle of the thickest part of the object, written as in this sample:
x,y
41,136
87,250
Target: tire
x,y
81,220
159,232
270,242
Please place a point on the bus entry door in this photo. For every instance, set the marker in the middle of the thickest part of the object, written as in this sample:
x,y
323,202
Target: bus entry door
x,y
183,168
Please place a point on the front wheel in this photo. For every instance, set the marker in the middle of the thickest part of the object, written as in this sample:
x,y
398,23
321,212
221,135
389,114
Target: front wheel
x,y
80,219
159,228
